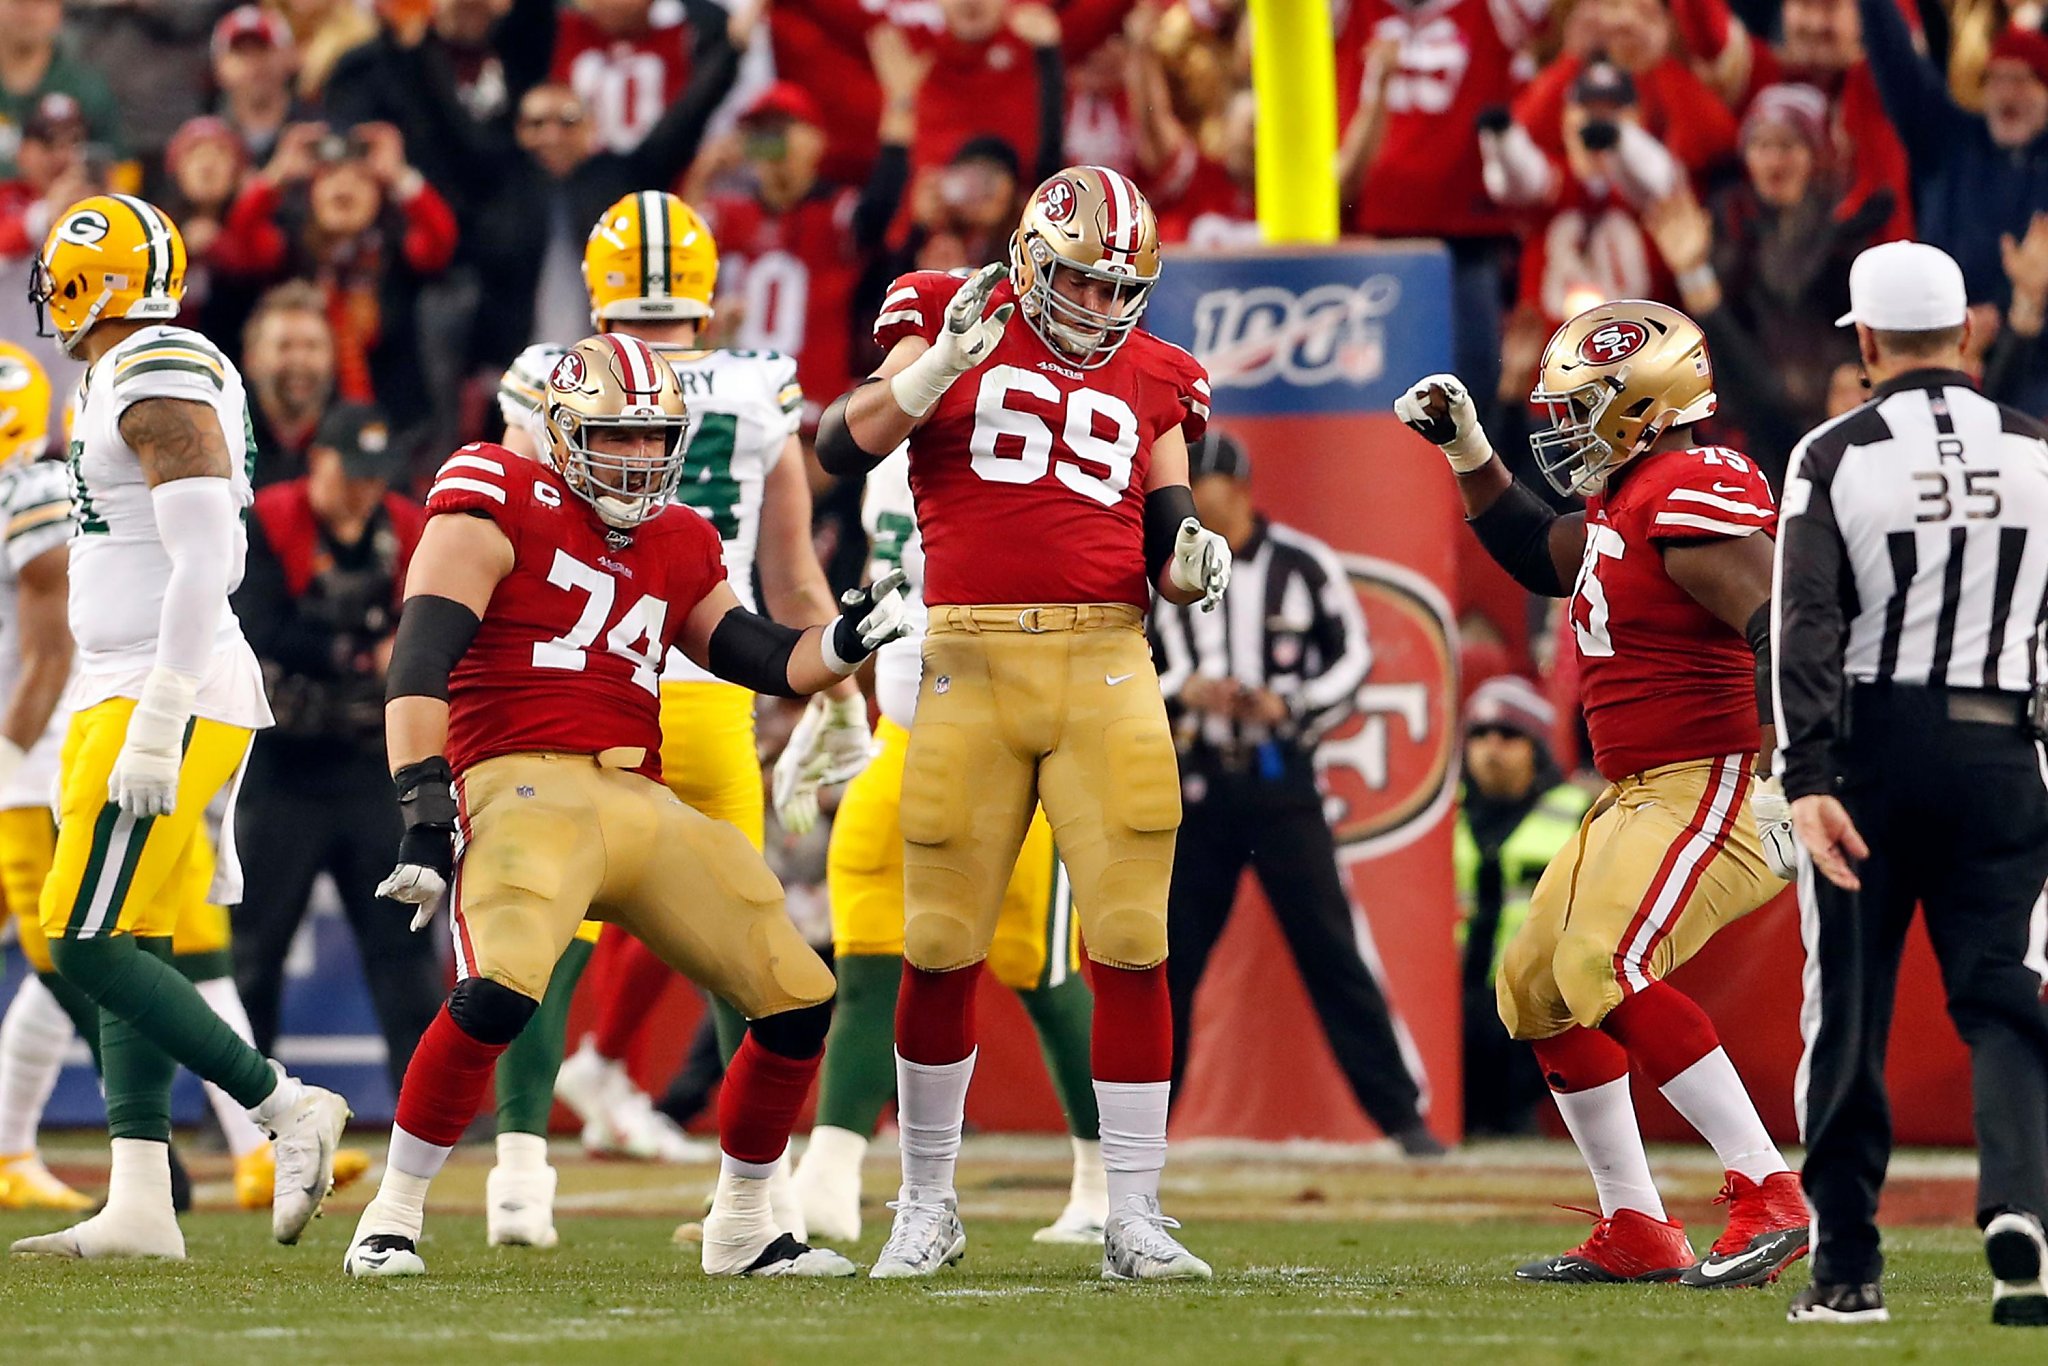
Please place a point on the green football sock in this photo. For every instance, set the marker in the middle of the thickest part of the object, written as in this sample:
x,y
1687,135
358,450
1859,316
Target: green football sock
x,y
731,1027
858,1076
85,1016
1062,1015
526,1070
204,967
133,982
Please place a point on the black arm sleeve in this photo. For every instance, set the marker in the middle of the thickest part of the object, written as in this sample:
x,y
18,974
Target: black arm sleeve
x,y
433,634
1052,113
881,196
1811,627
1165,509
1759,633
754,652
1516,532
838,453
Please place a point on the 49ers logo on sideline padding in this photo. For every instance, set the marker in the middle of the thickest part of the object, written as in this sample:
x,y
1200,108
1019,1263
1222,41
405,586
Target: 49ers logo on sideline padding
x,y
568,374
1613,341
1058,201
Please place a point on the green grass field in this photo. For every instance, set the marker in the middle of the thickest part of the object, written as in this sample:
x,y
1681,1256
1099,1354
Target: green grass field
x,y
1318,1259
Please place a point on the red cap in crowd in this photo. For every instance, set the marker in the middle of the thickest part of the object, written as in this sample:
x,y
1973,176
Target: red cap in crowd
x,y
1512,703
1800,108
2026,45
54,115
786,100
205,128
249,23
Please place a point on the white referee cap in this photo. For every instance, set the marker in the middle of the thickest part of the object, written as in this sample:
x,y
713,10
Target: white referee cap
x,y
1906,287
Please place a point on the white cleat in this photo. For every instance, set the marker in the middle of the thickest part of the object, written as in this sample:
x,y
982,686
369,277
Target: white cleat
x,y
829,1198
1079,1225
519,1208
2018,1253
112,1233
581,1083
636,1129
926,1237
303,1146
1136,1246
737,1244
383,1254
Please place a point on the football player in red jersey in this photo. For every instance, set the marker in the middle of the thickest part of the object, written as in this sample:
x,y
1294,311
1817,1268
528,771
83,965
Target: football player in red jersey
x,y
523,713
1668,571
1049,465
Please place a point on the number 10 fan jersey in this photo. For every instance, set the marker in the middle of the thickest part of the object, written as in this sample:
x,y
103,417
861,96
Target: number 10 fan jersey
x,y
569,657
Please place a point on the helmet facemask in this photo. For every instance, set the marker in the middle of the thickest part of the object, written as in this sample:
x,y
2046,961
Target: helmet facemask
x,y
1086,336
1571,453
625,489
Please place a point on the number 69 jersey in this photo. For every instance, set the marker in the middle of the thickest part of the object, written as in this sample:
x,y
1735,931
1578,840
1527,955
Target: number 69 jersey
x,y
1662,679
1030,473
568,659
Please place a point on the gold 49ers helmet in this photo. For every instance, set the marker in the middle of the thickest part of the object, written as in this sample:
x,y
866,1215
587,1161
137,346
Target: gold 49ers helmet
x,y
1083,262
110,256
607,391
650,258
24,405
1613,380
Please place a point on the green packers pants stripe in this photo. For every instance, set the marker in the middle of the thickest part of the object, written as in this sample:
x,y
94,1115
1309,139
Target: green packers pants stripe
x,y
95,862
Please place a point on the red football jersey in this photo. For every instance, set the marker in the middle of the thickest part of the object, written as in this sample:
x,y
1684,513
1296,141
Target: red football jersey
x,y
568,659
793,275
1592,247
1200,203
625,83
1663,680
1030,473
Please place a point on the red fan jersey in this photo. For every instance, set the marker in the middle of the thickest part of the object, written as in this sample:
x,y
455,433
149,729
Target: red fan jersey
x,y
793,275
625,82
1030,473
1592,247
1200,203
568,659
1661,678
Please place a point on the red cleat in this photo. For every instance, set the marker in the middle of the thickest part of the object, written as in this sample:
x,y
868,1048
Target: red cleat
x,y
1630,1246
1768,1226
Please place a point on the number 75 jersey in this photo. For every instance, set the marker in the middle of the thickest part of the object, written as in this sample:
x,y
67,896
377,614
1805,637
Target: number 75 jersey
x,y
1663,680
569,657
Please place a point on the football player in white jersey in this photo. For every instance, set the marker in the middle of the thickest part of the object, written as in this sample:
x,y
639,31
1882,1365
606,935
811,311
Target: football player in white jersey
x,y
166,697
1036,951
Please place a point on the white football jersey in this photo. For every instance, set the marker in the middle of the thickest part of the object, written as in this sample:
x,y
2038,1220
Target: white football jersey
x,y
889,516
118,562
35,501
744,407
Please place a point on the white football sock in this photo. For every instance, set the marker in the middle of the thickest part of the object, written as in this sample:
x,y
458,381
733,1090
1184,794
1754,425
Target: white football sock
x,y
414,1157
276,1107
931,1107
1714,1101
834,1154
522,1152
140,1177
1091,1183
33,1037
401,1203
240,1131
1133,1137
1602,1120
740,1192
728,1165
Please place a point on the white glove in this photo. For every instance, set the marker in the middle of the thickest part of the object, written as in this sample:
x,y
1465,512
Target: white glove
x,y
1201,562
830,744
415,885
869,618
964,342
1456,430
1773,816
145,777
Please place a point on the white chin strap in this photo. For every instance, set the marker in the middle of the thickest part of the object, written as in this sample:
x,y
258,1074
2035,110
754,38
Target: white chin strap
x,y
623,513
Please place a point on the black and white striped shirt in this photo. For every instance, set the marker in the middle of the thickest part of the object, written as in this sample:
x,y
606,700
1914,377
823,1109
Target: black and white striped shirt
x,y
1290,623
1912,548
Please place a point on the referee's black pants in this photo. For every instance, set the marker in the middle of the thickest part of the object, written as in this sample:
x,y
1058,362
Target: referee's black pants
x,y
1274,824
1956,816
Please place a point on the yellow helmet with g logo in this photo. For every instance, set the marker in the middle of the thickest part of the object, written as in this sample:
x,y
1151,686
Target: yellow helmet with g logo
x,y
110,256
649,258
24,405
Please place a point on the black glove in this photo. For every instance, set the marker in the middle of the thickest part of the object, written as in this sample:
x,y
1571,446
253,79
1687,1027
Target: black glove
x,y
426,852
869,618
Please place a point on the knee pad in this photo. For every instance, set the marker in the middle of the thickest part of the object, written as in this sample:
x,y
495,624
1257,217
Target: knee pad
x,y
1127,938
1524,978
798,1033
1583,967
488,1011
940,941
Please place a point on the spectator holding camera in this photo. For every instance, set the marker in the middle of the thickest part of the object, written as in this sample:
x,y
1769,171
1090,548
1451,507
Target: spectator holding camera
x,y
983,47
288,366
35,62
319,602
253,66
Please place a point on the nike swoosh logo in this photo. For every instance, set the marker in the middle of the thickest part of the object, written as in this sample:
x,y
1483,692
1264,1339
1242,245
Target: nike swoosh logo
x,y
1114,679
1730,488
1729,1267
374,1259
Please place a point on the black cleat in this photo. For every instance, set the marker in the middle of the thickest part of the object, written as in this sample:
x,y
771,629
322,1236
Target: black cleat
x,y
1762,1262
1824,1303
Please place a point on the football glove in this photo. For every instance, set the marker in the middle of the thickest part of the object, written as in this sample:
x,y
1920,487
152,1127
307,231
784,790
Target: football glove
x,y
1201,562
426,851
869,618
145,777
1438,410
964,342
830,745
1773,816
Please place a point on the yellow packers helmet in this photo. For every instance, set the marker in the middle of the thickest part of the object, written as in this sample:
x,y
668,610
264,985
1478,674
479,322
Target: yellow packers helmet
x,y
110,256
24,405
1613,380
1093,223
618,385
649,258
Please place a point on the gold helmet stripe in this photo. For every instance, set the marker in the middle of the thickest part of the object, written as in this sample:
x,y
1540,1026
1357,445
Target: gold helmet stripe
x,y
156,241
654,243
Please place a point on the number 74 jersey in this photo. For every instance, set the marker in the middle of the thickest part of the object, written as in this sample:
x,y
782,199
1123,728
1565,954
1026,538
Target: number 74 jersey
x,y
569,657
1663,680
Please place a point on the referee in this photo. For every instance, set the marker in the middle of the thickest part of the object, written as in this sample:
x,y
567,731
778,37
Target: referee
x,y
1911,591
1252,689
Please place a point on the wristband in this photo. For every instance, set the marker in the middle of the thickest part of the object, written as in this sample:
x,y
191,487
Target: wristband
x,y
922,383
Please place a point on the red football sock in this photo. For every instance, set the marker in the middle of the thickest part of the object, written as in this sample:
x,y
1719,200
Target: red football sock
x,y
1663,1029
632,985
1133,1038
1580,1059
444,1083
758,1104
935,1014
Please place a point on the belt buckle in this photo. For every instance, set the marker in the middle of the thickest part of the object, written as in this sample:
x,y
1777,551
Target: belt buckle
x,y
1031,621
